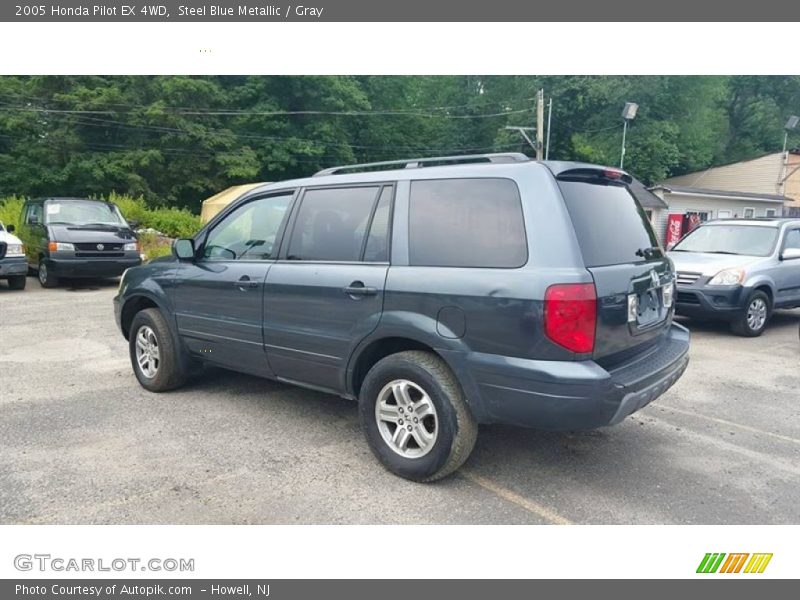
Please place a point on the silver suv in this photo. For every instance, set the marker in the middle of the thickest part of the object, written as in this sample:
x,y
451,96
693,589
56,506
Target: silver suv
x,y
739,270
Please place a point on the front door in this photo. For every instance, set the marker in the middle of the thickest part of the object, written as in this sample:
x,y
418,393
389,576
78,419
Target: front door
x,y
218,298
326,293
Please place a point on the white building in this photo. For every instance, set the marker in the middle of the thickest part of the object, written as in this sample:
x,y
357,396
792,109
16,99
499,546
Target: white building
x,y
750,188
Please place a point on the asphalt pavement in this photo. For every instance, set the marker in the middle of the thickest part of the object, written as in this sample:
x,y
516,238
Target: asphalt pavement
x,y
81,442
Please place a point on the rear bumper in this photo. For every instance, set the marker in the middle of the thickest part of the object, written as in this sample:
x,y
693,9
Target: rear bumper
x,y
715,302
558,395
14,265
95,267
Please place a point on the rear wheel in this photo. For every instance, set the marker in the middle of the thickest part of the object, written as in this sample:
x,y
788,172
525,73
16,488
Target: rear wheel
x,y
753,320
415,417
17,282
46,278
155,357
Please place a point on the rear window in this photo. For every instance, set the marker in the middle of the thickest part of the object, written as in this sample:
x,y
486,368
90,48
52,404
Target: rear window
x,y
611,226
466,223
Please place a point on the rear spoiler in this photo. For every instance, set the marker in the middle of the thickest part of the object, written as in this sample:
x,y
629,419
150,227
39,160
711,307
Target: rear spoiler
x,y
594,175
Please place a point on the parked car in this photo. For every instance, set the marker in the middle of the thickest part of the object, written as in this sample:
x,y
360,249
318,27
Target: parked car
x,y
439,293
739,270
76,237
13,267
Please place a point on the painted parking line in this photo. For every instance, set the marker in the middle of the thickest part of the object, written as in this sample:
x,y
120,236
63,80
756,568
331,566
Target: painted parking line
x,y
509,496
726,446
777,436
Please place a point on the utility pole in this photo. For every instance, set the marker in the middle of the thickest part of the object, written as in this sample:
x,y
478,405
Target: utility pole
x,y
538,145
540,124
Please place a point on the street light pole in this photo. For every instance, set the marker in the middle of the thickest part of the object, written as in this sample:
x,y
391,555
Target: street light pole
x,y
791,125
624,133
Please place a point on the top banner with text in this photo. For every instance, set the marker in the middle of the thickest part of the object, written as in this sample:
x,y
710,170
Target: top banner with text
x,y
405,11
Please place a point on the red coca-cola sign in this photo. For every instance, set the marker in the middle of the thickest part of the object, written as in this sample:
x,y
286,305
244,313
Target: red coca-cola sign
x,y
674,229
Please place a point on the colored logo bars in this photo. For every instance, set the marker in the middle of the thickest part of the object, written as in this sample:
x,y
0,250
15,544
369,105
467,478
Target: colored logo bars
x,y
713,563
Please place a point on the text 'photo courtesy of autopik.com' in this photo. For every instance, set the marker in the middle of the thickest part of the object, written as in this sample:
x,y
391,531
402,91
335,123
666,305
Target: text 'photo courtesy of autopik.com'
x,y
365,301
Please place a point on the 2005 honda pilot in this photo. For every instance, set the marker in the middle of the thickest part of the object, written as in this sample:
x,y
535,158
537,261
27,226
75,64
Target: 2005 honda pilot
x,y
439,293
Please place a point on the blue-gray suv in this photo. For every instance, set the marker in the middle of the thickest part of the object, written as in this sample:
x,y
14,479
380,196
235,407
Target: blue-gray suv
x,y
438,293
739,270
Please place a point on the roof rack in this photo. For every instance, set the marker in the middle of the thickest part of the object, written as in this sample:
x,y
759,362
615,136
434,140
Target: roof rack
x,y
415,163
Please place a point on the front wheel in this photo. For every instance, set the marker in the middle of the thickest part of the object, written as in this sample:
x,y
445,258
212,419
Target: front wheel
x,y
415,417
17,282
154,355
46,278
753,320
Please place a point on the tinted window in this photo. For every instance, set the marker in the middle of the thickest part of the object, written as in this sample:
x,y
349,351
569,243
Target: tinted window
x,y
610,224
792,239
466,223
332,223
249,232
377,248
750,240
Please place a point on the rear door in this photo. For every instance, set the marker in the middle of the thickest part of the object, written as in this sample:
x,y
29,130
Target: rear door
x,y
326,293
633,277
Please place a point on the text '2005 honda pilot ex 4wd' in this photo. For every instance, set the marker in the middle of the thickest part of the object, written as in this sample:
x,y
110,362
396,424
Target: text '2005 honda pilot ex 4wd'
x,y
439,293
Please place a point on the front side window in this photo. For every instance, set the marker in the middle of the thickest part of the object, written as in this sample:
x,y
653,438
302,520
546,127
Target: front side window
x,y
250,232
331,224
749,240
34,214
466,223
792,239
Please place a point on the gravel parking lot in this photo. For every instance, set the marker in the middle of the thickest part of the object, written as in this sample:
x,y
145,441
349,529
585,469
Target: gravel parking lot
x,y
81,442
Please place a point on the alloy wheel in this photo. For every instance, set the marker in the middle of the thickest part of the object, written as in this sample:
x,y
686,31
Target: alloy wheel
x,y
406,418
757,314
148,355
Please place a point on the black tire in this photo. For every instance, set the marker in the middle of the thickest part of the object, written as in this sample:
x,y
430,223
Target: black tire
x,y
17,282
46,278
169,373
744,326
456,427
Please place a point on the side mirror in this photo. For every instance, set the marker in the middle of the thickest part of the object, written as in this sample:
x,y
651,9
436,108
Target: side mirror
x,y
183,249
790,254
33,220
10,229
133,223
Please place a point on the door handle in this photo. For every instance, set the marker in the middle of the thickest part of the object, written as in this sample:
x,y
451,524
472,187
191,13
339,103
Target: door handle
x,y
245,283
357,289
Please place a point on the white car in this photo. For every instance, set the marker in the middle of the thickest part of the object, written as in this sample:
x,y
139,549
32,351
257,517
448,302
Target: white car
x,y
13,265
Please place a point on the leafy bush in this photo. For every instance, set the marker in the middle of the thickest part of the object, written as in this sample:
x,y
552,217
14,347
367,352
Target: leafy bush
x,y
11,210
133,209
173,222
154,245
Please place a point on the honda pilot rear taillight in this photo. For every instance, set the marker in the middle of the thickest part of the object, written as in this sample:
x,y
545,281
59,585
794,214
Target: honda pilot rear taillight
x,y
570,315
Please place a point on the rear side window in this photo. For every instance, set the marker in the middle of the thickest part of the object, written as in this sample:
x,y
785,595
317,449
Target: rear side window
x,y
611,226
466,223
332,223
